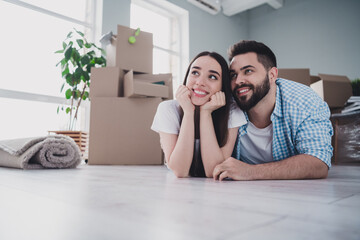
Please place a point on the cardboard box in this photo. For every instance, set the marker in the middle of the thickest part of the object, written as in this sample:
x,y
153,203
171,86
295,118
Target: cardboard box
x,y
137,56
333,89
314,79
153,85
300,75
345,140
106,82
120,132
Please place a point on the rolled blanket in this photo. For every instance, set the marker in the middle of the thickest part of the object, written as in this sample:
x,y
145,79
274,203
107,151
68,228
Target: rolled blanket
x,y
53,151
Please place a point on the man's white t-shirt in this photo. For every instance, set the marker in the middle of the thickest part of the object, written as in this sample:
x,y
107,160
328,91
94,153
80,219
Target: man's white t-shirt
x,y
256,145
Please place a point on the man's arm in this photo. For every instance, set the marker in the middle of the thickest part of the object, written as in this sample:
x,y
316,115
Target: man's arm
x,y
301,166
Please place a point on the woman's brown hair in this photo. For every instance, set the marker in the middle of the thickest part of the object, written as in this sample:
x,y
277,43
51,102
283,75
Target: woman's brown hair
x,y
220,116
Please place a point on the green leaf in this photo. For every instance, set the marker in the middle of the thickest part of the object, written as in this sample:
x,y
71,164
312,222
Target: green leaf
x,y
68,93
86,95
86,76
80,33
64,66
91,54
99,61
57,111
58,63
69,79
68,109
85,60
77,94
62,87
80,42
64,45
76,55
63,63
87,45
68,53
66,71
59,51
69,35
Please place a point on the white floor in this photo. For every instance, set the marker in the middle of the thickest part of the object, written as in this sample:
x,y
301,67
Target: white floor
x,y
149,202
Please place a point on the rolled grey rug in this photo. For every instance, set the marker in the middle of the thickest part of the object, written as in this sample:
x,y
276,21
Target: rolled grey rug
x,y
53,151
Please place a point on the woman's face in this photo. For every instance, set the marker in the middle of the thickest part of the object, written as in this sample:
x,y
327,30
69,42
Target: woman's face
x,y
204,79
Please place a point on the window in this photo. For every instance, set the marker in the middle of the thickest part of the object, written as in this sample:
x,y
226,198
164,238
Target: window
x,y
169,25
30,82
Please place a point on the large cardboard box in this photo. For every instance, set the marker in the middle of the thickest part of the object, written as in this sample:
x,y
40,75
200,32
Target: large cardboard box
x,y
137,56
335,90
120,132
300,75
155,85
107,82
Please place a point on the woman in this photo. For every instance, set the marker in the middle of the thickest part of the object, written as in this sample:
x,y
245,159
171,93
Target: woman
x,y
201,111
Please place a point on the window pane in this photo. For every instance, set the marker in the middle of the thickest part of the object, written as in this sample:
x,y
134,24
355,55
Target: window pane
x,y
28,59
29,118
150,21
74,9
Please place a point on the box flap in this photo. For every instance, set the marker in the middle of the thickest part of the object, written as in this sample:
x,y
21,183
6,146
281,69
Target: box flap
x,y
136,85
314,79
106,82
334,78
300,75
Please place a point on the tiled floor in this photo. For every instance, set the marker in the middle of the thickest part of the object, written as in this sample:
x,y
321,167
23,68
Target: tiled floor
x,y
148,202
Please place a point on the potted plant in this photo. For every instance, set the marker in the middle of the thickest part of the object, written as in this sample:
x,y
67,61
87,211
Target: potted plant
x,y
356,86
79,56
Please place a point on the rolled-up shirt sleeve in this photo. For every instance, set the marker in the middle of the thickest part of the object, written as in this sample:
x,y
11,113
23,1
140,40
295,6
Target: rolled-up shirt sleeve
x,y
313,136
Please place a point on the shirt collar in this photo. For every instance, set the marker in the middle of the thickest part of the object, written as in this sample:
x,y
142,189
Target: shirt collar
x,y
277,110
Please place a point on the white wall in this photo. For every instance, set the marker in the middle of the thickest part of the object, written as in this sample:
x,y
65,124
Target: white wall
x,y
323,35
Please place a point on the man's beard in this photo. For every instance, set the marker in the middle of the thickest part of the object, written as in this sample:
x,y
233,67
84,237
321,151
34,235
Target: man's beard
x,y
259,92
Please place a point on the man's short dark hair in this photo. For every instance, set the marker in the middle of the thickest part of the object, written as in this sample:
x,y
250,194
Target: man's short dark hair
x,y
264,54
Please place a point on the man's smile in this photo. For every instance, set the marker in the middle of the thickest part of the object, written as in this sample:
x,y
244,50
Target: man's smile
x,y
243,91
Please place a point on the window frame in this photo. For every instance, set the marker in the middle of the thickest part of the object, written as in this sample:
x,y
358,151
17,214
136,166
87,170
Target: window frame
x,y
94,20
181,17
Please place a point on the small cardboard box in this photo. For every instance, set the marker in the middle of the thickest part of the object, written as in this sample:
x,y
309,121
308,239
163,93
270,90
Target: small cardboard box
x,y
300,75
152,85
120,132
106,82
335,90
137,56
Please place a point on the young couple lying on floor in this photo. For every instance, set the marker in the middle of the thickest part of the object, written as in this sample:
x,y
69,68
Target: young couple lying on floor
x,y
243,122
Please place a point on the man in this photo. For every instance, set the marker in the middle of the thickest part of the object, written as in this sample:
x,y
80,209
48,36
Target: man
x,y
288,131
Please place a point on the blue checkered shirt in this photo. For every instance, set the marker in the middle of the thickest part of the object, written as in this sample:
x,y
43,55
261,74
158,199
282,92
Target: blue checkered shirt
x,y
301,124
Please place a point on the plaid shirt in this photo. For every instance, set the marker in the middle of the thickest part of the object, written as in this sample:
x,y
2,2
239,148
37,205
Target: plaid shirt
x,y
301,124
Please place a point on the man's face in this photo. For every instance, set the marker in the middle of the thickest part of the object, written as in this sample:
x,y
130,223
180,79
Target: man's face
x,y
249,80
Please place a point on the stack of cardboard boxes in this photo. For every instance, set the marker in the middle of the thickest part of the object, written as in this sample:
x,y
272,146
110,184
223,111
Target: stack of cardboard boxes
x,y
124,98
335,90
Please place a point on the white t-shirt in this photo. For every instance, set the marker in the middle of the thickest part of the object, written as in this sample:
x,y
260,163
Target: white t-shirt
x,y
256,145
167,118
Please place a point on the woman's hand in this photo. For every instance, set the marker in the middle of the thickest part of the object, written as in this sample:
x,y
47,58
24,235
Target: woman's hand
x,y
216,101
183,97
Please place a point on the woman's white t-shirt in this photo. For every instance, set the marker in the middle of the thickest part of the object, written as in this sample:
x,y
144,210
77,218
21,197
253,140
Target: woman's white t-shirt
x,y
167,118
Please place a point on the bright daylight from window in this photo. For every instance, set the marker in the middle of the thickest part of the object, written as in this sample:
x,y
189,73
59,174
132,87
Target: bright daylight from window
x,y
28,62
